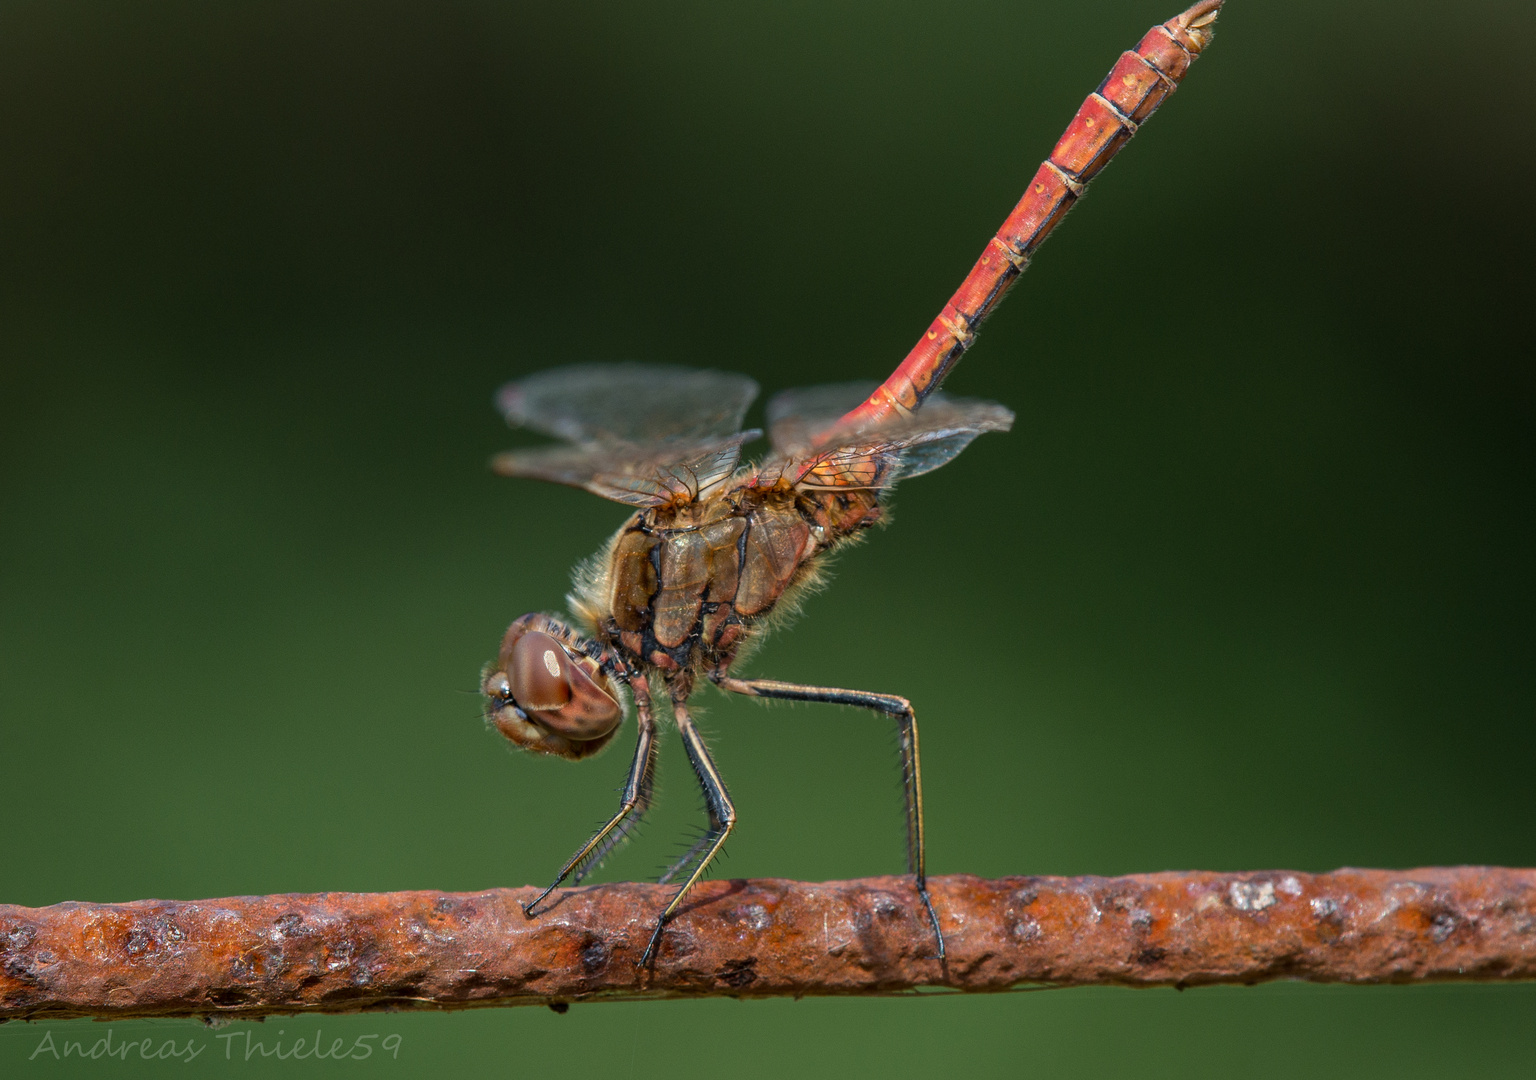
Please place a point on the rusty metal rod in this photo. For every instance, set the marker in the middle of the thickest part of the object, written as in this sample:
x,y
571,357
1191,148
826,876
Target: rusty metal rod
x,y
253,956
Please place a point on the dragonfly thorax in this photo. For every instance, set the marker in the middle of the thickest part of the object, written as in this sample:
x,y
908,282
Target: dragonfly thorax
x,y
683,588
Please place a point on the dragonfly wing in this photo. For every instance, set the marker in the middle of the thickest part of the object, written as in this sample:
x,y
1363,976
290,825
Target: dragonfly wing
x,y
633,474
796,416
901,447
637,404
929,454
642,435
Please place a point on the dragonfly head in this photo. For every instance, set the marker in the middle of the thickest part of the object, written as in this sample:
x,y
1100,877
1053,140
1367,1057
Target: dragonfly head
x,y
547,696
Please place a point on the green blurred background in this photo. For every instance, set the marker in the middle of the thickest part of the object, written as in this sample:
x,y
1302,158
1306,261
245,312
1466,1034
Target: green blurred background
x,y
1243,589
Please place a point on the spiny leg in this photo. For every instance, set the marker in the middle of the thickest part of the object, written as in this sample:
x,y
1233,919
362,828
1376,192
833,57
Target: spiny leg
x,y
635,800
722,818
911,769
694,851
688,858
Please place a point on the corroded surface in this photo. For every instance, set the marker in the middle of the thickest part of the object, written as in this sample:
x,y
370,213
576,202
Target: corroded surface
x,y
342,952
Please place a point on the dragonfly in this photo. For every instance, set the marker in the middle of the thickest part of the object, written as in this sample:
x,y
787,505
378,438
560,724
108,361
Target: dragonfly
x,y
717,551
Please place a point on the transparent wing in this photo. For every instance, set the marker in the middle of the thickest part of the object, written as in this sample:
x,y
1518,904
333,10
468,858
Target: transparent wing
x,y
643,435
637,475
795,416
877,456
628,403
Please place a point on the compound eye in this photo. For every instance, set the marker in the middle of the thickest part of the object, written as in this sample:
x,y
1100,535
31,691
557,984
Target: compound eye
x,y
593,711
540,673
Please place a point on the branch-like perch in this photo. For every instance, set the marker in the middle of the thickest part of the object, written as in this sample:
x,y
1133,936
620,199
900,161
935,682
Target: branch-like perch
x,y
254,956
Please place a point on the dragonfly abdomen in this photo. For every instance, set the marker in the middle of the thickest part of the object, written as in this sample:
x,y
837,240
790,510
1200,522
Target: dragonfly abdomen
x,y
1138,83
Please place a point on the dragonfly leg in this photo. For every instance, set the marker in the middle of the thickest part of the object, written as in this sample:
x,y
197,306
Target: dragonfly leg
x,y
686,860
722,819
633,803
898,708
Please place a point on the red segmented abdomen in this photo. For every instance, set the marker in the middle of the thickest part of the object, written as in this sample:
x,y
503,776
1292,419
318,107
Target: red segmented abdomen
x,y
1130,93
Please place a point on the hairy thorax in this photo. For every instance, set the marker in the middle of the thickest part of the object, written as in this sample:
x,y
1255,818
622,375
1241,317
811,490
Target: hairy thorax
x,y
683,588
